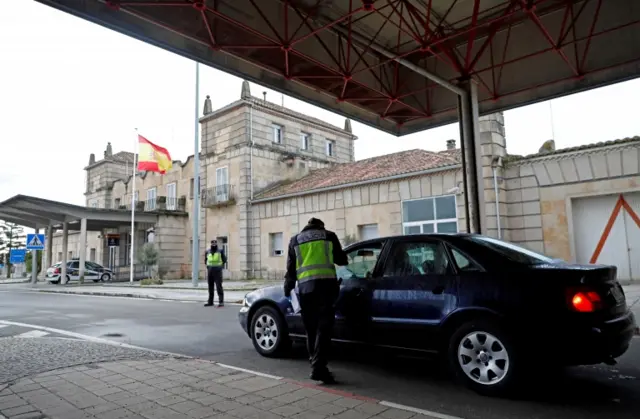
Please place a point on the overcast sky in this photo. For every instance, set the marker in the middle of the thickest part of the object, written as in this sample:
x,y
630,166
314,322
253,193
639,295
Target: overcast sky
x,y
68,87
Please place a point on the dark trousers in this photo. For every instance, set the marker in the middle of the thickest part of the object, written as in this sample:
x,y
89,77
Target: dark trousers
x,y
318,314
214,279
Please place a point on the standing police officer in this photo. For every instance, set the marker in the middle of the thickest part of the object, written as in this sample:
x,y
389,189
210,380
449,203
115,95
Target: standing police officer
x,y
215,259
311,262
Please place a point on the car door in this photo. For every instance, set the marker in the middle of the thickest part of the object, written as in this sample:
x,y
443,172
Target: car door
x,y
73,270
416,290
353,307
91,272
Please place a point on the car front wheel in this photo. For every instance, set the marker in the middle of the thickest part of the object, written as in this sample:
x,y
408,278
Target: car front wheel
x,y
483,357
269,332
105,277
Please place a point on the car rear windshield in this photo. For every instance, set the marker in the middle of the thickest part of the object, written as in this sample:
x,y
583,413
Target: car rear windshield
x,y
511,251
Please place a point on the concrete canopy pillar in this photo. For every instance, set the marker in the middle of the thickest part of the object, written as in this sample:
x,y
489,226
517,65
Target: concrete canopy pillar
x,y
34,260
468,115
49,248
82,248
65,246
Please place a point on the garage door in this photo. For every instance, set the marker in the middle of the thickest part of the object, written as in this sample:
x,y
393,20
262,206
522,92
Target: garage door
x,y
606,232
369,231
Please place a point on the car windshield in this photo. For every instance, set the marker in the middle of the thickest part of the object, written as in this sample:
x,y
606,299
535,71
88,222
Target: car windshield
x,y
512,252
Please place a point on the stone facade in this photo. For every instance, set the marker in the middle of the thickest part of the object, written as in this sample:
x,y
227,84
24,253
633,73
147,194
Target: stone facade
x,y
252,148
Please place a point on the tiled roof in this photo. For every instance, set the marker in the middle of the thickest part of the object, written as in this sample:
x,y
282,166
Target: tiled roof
x,y
405,162
454,153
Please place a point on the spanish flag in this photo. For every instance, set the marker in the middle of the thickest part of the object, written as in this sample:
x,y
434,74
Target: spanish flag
x,y
152,158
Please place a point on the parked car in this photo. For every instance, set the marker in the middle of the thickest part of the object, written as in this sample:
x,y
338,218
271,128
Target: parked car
x,y
92,272
494,309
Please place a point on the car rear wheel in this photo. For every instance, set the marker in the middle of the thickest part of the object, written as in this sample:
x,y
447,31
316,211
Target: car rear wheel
x,y
269,332
484,358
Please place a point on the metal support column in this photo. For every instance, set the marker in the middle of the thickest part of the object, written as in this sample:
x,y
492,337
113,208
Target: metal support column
x,y
471,165
34,261
65,246
82,248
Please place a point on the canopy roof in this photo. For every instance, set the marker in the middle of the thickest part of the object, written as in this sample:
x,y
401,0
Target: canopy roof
x,y
339,54
34,212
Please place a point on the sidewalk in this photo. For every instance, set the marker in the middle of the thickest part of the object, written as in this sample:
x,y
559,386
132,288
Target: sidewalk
x,y
182,388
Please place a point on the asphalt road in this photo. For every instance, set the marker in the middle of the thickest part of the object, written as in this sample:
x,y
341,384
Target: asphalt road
x,y
190,329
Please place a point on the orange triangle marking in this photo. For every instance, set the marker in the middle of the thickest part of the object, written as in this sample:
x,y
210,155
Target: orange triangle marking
x,y
620,204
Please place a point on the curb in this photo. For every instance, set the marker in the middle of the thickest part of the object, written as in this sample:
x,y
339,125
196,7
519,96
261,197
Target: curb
x,y
138,296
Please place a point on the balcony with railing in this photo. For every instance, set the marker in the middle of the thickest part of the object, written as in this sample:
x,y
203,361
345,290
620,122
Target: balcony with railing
x,y
218,196
160,203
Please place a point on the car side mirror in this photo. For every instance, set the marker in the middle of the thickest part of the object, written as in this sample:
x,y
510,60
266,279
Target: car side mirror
x,y
368,275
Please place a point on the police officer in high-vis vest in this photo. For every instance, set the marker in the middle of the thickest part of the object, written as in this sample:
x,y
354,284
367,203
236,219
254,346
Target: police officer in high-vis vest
x,y
312,257
215,260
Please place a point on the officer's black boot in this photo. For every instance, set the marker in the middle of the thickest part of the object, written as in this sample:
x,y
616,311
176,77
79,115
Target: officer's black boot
x,y
323,375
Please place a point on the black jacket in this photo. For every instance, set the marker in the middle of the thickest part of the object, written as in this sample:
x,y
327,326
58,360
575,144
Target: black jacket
x,y
290,278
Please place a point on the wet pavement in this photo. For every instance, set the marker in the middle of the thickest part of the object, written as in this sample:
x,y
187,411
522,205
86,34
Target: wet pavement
x,y
214,334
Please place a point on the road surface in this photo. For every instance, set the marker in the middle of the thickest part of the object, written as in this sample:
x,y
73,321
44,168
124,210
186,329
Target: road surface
x,y
191,329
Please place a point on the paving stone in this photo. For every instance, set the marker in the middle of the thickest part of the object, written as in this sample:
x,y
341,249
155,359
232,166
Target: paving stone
x,y
143,407
278,390
328,409
186,406
268,404
117,396
131,401
352,414
195,394
286,410
226,406
105,390
253,384
309,415
202,412
120,413
347,402
15,411
21,388
209,399
7,402
170,400
155,395
307,403
179,390
32,415
371,408
162,413
393,413
101,408
249,399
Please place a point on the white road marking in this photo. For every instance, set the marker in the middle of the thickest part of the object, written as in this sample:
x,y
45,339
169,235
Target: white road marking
x,y
3,325
33,334
418,411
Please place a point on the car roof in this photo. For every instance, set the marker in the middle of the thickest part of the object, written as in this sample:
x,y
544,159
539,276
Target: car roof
x,y
413,237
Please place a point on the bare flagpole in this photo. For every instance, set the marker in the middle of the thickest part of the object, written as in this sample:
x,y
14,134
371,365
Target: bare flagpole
x,y
195,209
133,206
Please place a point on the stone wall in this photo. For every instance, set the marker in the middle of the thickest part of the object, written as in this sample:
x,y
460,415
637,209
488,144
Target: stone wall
x,y
344,210
99,180
172,240
539,192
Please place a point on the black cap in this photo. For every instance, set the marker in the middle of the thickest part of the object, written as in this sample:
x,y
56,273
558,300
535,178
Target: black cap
x,y
316,222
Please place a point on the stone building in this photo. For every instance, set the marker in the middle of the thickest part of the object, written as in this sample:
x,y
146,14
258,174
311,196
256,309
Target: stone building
x,y
265,170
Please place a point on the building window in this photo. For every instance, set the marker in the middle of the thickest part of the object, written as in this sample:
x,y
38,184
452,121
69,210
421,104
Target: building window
x,y
222,184
172,199
190,250
331,148
277,133
92,255
277,244
191,188
430,215
223,243
304,141
368,231
59,257
151,199
135,197
116,203
94,204
70,256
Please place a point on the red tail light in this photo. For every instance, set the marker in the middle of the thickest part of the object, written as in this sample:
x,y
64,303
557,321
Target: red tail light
x,y
586,301
57,271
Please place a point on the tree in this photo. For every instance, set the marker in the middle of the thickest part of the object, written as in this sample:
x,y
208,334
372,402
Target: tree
x,y
149,255
28,260
12,236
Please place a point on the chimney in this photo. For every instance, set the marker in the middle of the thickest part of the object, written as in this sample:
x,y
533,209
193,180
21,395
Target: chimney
x,y
92,159
451,144
109,151
347,125
208,108
246,90
265,96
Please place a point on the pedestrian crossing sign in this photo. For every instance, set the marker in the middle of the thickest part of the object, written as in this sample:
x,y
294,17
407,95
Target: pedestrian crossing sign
x,y
35,241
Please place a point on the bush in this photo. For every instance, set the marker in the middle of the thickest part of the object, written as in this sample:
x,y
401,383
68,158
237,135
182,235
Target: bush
x,y
151,281
149,255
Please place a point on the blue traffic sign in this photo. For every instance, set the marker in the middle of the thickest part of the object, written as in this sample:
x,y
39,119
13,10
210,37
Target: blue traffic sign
x,y
18,255
35,241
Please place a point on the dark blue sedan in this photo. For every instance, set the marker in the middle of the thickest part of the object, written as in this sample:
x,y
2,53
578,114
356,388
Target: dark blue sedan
x,y
494,309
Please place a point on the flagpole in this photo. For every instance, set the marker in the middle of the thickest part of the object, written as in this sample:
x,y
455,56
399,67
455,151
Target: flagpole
x,y
195,234
133,207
